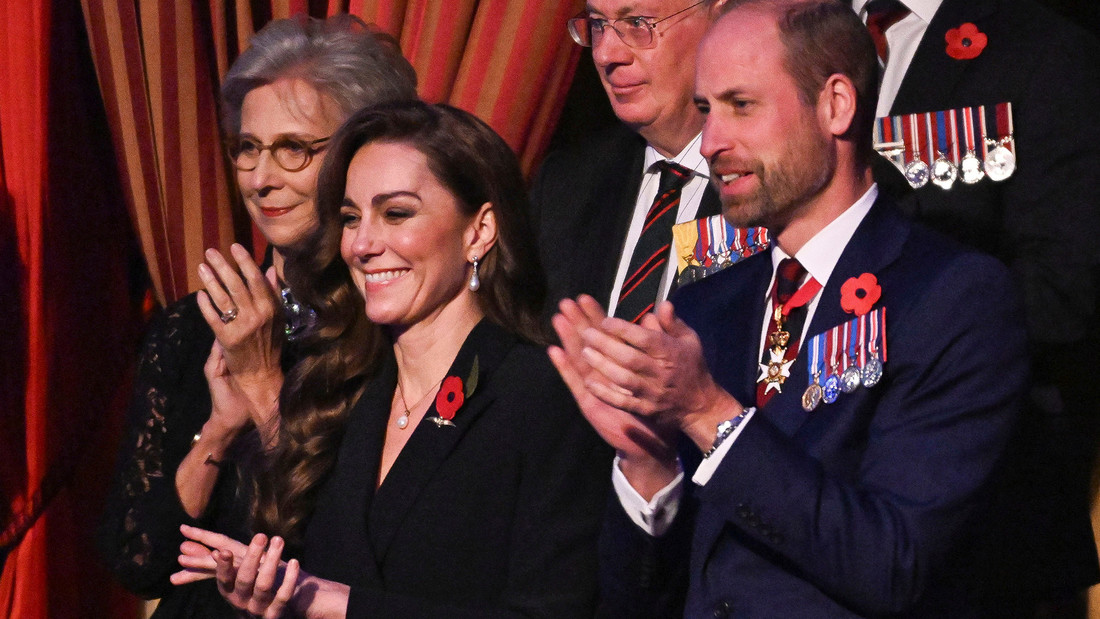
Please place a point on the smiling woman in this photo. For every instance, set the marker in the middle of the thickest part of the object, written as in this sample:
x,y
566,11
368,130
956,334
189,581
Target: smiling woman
x,y
429,455
213,362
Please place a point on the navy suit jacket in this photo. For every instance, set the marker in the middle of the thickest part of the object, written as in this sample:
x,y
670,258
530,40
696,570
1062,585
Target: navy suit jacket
x,y
862,507
1043,223
582,202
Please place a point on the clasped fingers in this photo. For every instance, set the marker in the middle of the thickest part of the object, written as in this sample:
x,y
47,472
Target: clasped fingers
x,y
262,585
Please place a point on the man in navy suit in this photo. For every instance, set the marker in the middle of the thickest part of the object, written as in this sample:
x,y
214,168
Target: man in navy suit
x,y
1043,223
865,504
590,202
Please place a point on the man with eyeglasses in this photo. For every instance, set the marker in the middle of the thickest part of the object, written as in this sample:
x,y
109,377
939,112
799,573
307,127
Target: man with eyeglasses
x,y
604,210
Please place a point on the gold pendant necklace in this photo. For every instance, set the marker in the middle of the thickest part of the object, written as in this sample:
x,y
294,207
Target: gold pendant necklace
x,y
403,419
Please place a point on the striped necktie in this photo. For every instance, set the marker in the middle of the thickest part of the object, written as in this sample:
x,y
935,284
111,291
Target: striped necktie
x,y
647,263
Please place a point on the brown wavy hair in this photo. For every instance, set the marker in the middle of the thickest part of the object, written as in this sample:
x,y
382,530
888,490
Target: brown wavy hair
x,y
474,164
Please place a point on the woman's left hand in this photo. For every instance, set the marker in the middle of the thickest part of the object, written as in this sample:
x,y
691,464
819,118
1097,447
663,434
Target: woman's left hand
x,y
249,326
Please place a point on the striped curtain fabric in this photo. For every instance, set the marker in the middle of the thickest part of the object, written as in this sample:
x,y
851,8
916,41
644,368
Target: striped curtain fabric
x,y
159,65
155,68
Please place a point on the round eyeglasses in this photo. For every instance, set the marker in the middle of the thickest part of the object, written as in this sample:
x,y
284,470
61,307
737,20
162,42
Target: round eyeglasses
x,y
290,153
635,30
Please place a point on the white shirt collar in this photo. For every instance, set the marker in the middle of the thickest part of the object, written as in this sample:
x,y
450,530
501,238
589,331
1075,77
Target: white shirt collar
x,y
821,253
689,157
924,9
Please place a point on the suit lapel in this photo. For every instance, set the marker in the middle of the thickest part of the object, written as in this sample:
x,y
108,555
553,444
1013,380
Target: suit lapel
x,y
933,75
430,444
734,327
347,496
875,244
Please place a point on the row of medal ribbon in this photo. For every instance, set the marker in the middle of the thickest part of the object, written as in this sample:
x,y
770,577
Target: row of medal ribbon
x,y
845,358
707,245
966,144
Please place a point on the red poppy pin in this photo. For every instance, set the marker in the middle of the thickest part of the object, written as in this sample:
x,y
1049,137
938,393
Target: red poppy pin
x,y
965,42
859,294
452,395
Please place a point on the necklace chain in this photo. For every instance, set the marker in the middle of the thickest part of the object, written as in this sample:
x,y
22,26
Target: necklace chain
x,y
403,420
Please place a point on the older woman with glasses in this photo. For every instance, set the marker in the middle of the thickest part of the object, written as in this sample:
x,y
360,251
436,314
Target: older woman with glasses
x,y
212,364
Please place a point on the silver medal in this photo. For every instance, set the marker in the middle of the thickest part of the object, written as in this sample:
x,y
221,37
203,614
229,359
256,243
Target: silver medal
x,y
850,379
971,168
917,174
1000,163
872,371
944,172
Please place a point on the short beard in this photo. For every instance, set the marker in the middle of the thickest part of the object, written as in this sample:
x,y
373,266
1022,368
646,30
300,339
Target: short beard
x,y
806,167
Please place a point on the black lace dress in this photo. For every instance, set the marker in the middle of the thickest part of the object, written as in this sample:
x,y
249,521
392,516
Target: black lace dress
x,y
139,534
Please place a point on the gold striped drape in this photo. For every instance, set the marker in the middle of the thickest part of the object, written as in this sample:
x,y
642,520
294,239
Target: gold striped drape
x,y
159,64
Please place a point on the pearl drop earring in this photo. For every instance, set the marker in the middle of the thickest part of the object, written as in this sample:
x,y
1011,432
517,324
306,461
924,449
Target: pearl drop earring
x,y
475,281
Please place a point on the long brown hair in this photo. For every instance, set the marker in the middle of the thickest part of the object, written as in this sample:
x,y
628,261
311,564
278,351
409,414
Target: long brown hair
x,y
477,166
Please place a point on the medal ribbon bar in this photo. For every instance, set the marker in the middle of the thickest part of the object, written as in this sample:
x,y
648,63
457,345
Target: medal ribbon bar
x,y
929,147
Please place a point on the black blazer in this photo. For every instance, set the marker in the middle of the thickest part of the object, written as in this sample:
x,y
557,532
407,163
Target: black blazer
x,y
582,201
497,516
1043,223
863,507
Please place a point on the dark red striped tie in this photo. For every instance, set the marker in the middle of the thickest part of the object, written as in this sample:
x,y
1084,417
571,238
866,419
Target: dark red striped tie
x,y
881,14
647,263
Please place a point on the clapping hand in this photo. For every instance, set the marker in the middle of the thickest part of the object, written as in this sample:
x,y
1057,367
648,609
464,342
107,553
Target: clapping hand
x,y
252,578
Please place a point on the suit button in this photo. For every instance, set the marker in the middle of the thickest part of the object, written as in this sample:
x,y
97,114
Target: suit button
x,y
753,520
722,609
743,511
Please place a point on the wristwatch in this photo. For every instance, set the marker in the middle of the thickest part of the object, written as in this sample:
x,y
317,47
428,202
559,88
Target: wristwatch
x,y
726,428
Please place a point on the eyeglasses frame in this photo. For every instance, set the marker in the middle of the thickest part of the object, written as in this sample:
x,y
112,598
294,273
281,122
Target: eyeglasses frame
x,y
650,22
311,152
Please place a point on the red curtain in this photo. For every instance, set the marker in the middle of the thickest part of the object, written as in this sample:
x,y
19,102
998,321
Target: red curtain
x,y
70,324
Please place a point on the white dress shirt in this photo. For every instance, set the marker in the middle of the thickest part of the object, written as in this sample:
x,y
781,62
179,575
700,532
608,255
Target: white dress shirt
x,y
690,197
819,257
901,39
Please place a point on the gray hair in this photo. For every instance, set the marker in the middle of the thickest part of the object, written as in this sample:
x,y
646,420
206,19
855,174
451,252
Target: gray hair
x,y
340,57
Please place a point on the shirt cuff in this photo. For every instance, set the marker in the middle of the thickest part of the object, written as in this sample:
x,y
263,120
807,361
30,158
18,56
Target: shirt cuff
x,y
711,462
656,515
